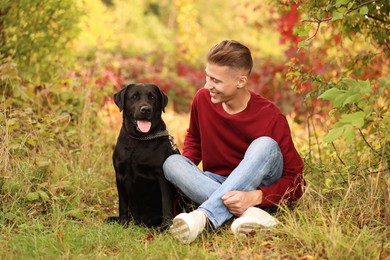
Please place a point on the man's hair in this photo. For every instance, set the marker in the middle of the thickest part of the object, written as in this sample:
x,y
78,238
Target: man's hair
x,y
232,54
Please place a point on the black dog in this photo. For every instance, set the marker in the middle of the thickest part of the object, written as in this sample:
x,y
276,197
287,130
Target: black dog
x,y
143,144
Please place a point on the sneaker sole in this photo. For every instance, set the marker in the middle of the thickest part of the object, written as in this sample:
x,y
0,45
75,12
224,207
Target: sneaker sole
x,y
247,228
181,229
246,225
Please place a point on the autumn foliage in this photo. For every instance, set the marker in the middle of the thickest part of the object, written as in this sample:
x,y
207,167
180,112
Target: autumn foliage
x,y
324,63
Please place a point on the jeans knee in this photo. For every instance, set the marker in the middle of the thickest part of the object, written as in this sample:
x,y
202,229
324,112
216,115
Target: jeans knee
x,y
169,165
266,142
264,147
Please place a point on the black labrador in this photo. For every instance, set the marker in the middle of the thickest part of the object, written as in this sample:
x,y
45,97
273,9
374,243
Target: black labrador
x,y
143,144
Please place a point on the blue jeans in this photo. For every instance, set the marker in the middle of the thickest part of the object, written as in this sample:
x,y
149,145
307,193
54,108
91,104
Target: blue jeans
x,y
261,166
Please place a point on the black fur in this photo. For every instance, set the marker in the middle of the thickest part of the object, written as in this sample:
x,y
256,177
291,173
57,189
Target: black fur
x,y
145,196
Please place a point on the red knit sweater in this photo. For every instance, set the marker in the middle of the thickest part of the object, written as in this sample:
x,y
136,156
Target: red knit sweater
x,y
220,140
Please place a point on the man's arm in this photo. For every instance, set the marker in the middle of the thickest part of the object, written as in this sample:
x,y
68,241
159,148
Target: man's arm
x,y
192,142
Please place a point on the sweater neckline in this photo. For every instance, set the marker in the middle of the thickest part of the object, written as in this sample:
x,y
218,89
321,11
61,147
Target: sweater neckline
x,y
223,112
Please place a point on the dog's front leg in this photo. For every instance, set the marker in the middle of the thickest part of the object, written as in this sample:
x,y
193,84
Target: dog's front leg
x,y
123,202
167,194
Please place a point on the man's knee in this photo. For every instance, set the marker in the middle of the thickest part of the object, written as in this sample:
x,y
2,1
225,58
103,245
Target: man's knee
x,y
169,165
265,141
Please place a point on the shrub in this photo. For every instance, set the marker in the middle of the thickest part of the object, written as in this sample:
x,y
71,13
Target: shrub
x,y
37,34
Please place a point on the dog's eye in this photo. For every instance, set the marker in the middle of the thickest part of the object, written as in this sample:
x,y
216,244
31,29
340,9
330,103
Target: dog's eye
x,y
135,96
151,97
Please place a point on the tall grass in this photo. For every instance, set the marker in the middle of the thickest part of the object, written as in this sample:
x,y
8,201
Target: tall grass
x,y
57,185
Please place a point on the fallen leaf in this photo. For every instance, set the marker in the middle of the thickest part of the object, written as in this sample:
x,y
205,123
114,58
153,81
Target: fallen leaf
x,y
149,237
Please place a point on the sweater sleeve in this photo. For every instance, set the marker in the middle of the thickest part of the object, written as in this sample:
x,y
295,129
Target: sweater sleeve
x,y
192,143
290,186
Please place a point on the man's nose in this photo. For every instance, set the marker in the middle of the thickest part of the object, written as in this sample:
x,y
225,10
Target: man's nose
x,y
208,85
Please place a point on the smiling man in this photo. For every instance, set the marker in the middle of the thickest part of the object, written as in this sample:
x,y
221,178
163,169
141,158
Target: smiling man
x,y
245,146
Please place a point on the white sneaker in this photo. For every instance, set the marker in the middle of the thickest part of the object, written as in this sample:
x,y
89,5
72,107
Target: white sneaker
x,y
187,226
252,219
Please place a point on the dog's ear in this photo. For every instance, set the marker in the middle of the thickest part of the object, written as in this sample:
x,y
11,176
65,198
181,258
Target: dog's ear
x,y
119,98
164,100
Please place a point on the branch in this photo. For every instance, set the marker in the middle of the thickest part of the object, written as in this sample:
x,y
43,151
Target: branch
x,y
361,5
365,140
376,18
315,33
318,21
338,156
378,171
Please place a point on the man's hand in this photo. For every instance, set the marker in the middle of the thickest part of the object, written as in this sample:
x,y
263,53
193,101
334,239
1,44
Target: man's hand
x,y
239,201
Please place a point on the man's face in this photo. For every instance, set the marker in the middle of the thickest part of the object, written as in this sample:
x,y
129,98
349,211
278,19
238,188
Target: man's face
x,y
222,82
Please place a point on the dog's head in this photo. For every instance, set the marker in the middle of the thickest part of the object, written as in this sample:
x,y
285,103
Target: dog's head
x,y
142,104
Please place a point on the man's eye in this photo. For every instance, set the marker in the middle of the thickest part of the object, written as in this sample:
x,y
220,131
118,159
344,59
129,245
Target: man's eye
x,y
212,79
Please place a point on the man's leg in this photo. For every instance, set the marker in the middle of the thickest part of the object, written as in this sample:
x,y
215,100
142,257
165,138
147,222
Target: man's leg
x,y
189,179
196,185
262,165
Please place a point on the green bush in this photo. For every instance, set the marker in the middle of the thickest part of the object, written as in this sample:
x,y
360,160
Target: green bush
x,y
37,35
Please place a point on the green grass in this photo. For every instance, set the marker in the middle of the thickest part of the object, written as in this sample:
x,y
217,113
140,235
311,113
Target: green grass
x,y
56,189
337,225
320,235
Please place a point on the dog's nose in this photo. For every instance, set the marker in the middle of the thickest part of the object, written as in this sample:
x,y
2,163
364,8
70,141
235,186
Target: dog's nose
x,y
145,110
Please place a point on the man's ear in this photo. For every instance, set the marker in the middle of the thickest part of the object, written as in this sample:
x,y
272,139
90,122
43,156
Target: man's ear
x,y
119,98
242,81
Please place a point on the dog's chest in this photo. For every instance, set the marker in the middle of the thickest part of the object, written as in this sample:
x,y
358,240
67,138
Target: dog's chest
x,y
145,154
150,154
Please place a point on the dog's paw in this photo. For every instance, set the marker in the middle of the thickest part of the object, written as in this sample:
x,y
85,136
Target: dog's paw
x,y
111,219
115,219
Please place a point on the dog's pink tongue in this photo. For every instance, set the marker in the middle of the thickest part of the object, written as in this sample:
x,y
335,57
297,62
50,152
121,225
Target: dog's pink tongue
x,y
144,126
